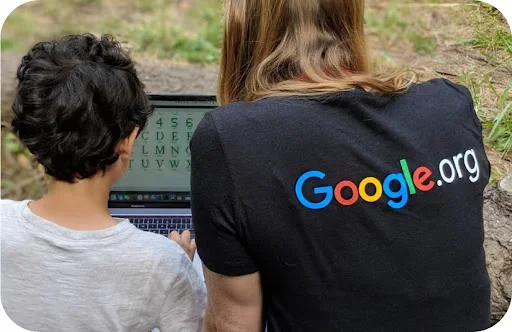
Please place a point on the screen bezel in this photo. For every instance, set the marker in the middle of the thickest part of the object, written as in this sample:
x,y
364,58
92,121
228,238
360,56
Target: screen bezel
x,y
166,205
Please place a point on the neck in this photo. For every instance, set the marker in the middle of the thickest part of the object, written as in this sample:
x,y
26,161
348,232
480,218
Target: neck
x,y
81,206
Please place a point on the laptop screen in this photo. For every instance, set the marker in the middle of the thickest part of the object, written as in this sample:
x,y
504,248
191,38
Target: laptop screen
x,y
159,169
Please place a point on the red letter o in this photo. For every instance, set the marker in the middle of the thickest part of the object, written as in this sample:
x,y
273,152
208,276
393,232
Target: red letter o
x,y
340,199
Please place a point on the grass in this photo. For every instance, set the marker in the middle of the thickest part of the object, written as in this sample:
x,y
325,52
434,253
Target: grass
x,y
499,42
155,27
151,27
12,144
423,45
176,44
391,23
160,37
492,40
501,131
6,44
497,118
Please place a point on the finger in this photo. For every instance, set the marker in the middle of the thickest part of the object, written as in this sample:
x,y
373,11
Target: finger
x,y
175,236
185,236
192,250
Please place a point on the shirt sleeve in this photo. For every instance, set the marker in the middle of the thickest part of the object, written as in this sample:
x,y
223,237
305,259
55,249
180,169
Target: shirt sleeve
x,y
215,205
185,304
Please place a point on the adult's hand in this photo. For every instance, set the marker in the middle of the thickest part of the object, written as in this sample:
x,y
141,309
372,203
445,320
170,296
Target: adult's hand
x,y
189,245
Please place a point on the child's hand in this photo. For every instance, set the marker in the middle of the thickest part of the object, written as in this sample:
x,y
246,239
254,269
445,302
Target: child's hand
x,y
185,242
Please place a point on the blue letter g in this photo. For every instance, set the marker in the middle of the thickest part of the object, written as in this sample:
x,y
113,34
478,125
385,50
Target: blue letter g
x,y
320,190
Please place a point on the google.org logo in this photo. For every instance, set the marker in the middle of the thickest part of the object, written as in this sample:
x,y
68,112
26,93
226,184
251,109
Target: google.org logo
x,y
397,187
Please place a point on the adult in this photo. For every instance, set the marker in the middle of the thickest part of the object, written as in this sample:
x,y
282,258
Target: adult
x,y
329,197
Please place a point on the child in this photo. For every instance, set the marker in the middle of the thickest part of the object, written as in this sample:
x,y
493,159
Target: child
x,y
67,265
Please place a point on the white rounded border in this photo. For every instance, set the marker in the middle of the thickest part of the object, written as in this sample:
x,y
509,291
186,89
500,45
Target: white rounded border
x,y
7,6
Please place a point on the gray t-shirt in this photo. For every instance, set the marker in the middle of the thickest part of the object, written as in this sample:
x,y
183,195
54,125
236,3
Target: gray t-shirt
x,y
117,279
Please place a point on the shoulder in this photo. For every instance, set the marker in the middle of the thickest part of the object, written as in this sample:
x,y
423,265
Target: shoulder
x,y
10,219
227,122
9,208
244,110
442,89
235,108
237,117
225,117
447,100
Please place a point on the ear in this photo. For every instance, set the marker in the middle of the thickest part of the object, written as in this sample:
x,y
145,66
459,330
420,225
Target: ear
x,y
125,146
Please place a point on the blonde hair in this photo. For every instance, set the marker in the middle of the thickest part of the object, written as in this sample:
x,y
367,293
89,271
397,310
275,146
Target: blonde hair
x,y
296,47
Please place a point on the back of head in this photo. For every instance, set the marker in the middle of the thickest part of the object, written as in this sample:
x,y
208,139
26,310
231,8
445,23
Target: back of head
x,y
77,98
286,47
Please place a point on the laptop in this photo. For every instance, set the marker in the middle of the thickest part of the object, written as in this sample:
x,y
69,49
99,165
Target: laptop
x,y
155,192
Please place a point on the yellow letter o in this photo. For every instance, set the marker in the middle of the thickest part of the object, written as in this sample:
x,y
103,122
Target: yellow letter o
x,y
378,190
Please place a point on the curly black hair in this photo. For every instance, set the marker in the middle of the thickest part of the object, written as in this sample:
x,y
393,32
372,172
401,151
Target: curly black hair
x,y
77,97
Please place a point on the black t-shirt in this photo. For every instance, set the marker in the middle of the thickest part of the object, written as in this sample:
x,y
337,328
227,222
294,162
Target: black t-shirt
x,y
360,211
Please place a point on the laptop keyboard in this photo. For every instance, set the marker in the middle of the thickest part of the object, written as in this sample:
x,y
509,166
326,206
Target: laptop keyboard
x,y
162,225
